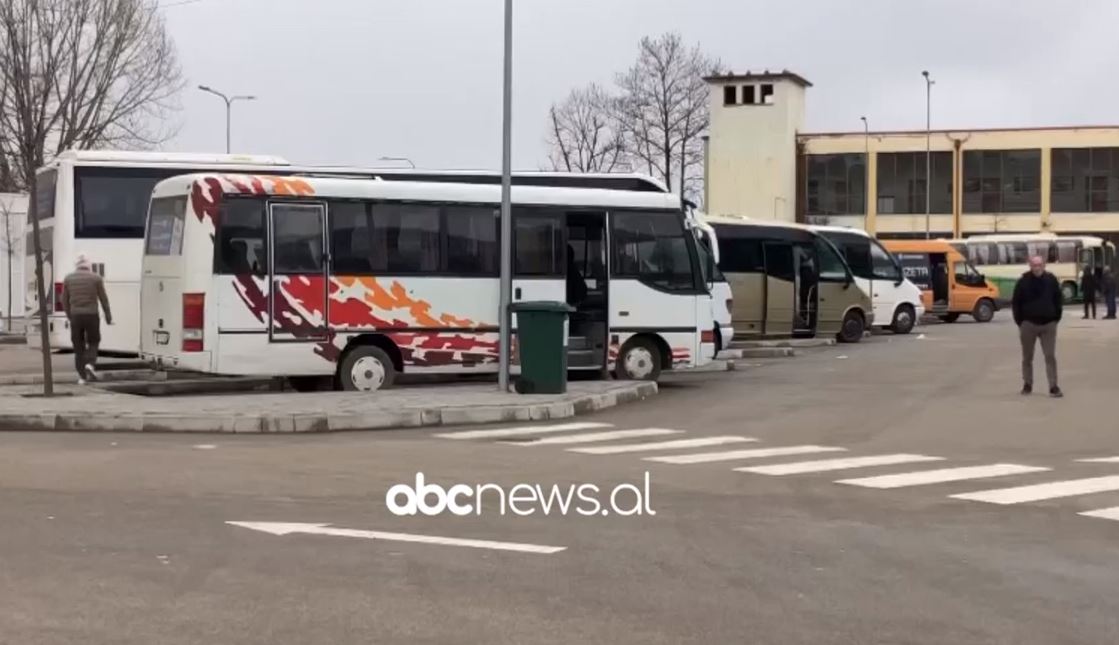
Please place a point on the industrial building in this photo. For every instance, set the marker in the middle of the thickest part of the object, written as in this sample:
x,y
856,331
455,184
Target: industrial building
x,y
761,163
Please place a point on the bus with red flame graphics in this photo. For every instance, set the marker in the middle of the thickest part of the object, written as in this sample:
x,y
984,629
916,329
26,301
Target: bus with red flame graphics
x,y
354,281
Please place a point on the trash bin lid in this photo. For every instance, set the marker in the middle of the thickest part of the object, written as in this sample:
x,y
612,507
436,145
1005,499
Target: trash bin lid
x,y
543,305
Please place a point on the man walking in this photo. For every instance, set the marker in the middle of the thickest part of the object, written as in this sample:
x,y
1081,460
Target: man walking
x,y
1088,291
1037,306
82,292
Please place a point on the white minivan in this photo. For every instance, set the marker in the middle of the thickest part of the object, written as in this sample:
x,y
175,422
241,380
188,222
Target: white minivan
x,y
896,300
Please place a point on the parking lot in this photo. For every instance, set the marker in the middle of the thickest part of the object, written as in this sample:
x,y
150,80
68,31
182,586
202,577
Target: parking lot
x,y
895,491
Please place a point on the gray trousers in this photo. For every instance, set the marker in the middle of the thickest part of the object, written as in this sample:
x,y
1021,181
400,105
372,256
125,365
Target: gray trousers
x,y
1030,333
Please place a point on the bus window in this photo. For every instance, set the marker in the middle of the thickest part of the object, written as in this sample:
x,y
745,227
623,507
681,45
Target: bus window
x,y
1013,253
1067,250
859,257
471,240
741,255
831,267
966,274
882,265
538,246
982,253
165,226
297,239
1047,250
653,247
240,238
351,240
45,183
407,235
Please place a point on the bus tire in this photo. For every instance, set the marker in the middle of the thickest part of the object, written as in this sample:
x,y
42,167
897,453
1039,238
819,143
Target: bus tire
x,y
904,319
984,310
366,368
853,328
950,318
639,360
1068,291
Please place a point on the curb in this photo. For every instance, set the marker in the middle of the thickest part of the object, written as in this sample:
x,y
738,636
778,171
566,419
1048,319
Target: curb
x,y
758,352
6,339
105,376
306,423
795,343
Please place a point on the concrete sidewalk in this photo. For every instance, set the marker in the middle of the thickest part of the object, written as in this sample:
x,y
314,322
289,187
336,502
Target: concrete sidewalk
x,y
91,409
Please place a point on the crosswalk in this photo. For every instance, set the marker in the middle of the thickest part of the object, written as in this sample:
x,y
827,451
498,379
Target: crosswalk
x,y
872,471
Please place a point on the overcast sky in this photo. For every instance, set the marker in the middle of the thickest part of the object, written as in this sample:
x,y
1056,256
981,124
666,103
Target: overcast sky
x,y
349,81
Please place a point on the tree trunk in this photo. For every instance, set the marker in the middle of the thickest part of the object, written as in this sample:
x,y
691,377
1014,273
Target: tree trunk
x,y
40,286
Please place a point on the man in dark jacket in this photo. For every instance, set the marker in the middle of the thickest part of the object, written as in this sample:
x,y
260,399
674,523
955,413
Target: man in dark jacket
x,y
1037,306
1107,285
1088,284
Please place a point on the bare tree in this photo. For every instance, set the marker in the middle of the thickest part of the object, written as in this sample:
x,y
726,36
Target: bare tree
x,y
583,133
8,247
78,74
663,109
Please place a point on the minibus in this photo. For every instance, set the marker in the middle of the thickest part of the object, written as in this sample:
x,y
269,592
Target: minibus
x,y
896,300
788,280
354,281
1003,258
950,285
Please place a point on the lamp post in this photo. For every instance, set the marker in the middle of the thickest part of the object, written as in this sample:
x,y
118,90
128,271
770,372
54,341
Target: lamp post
x,y
506,290
399,159
866,173
928,152
229,100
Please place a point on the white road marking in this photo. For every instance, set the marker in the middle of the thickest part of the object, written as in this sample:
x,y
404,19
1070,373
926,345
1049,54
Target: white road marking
x,y
730,455
662,445
824,465
1051,490
923,477
513,432
1100,460
205,446
592,437
287,528
1105,513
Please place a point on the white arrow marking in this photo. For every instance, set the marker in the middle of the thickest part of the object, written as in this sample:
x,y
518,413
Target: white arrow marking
x,y
287,528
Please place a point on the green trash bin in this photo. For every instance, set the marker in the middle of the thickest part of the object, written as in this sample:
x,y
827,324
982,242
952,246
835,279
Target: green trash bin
x,y
542,346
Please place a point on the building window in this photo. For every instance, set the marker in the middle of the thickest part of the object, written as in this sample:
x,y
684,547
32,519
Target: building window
x,y
901,183
836,184
1085,180
767,94
1002,181
730,94
748,97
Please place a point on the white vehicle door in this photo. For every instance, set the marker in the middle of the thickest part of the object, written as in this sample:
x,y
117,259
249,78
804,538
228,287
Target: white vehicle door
x,y
887,286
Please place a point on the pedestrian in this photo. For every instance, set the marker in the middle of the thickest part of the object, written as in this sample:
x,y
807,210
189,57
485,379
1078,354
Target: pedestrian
x,y
1088,285
1037,305
82,292
1107,286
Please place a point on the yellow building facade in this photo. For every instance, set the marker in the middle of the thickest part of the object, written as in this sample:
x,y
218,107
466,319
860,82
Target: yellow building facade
x,y
1013,180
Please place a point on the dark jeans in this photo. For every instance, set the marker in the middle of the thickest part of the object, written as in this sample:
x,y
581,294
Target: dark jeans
x,y
1030,334
1110,298
1089,301
85,334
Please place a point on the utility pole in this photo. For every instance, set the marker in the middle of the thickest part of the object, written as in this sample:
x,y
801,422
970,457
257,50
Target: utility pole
x,y
928,152
506,295
229,100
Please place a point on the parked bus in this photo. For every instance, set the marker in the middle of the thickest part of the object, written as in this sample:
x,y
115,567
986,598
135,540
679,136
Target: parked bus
x,y
1004,258
896,300
95,202
359,280
950,285
789,280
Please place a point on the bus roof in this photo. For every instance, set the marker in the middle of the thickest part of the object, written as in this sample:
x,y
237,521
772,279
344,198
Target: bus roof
x,y
1028,237
557,179
168,158
840,229
441,191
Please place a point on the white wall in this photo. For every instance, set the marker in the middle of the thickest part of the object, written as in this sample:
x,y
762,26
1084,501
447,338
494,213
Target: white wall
x,y
16,208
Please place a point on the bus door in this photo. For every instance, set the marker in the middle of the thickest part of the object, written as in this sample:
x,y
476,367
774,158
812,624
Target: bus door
x,y
915,266
586,289
781,286
297,272
807,279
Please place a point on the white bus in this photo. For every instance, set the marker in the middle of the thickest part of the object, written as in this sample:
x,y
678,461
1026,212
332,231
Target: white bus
x,y
95,203
357,280
896,300
1004,258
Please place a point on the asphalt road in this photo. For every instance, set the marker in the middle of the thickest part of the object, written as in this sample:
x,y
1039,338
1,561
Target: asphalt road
x,y
124,538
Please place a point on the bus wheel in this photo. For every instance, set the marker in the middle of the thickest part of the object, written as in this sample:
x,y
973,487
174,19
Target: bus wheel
x,y
984,311
950,318
1068,291
366,368
904,319
853,328
639,360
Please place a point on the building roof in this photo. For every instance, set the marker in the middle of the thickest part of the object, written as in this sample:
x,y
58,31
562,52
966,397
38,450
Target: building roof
x,y
766,75
921,132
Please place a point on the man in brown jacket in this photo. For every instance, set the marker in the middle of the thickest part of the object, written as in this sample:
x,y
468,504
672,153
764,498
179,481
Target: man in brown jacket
x,y
82,291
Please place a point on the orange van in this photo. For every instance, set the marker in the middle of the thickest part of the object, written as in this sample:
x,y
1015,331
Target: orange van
x,y
949,284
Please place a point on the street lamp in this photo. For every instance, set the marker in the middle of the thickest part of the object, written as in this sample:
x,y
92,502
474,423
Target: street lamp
x,y
866,173
229,100
928,151
399,159
506,291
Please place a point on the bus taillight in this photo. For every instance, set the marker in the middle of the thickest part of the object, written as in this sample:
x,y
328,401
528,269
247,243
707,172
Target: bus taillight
x,y
707,336
194,317
58,298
